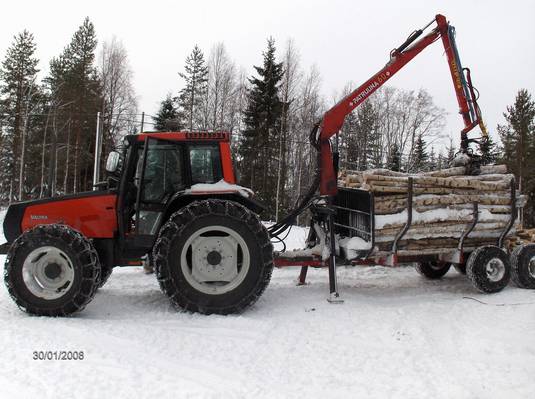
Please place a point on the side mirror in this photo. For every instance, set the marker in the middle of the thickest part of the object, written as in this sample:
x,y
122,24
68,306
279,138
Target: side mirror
x,y
112,162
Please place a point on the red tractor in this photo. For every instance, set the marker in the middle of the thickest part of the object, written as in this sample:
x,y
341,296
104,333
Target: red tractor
x,y
171,197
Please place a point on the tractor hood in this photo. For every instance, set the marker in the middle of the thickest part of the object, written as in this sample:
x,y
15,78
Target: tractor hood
x,y
92,213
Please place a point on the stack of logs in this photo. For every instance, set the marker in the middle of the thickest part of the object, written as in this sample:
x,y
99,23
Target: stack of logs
x,y
443,207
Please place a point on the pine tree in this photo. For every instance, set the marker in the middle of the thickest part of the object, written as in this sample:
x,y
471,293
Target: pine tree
x,y
18,90
191,96
420,155
259,147
167,118
76,91
488,151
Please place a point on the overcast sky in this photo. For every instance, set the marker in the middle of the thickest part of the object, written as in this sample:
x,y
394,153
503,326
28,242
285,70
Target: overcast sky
x,y
347,40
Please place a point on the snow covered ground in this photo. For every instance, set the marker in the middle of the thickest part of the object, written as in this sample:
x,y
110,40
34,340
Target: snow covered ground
x,y
396,335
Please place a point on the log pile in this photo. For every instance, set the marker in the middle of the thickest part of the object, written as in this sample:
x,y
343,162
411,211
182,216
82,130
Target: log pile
x,y
521,237
443,206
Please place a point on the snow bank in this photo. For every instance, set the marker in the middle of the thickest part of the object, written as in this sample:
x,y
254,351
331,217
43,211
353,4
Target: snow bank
x,y
396,335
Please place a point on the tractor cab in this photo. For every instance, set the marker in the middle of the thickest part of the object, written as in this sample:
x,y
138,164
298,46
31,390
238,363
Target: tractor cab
x,y
154,177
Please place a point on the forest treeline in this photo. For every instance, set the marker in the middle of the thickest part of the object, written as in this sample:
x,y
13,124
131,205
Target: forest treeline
x,y
48,119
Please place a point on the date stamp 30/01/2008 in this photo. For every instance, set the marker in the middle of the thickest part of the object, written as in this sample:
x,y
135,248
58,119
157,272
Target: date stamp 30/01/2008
x,y
58,355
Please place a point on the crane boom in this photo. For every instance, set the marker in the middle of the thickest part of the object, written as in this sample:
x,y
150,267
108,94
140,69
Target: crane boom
x,y
333,119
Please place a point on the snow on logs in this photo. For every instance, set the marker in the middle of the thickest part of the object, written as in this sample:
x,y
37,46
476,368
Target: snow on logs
x,y
443,204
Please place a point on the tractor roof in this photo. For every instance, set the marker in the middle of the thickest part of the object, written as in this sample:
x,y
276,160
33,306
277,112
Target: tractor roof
x,y
183,136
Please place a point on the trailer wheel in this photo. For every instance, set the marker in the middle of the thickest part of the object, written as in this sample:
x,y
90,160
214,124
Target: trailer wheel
x,y
489,269
433,270
52,270
213,256
523,266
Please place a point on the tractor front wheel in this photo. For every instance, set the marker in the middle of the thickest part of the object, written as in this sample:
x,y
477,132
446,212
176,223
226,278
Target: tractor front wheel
x,y
52,270
213,256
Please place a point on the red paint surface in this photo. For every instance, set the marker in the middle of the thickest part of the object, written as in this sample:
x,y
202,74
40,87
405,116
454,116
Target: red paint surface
x,y
94,217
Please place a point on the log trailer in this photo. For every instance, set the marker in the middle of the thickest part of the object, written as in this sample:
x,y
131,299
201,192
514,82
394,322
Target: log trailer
x,y
172,198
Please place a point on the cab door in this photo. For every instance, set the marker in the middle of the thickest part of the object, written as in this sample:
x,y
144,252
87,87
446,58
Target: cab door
x,y
158,171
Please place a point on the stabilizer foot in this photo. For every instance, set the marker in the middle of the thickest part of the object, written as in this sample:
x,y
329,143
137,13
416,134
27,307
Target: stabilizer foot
x,y
334,297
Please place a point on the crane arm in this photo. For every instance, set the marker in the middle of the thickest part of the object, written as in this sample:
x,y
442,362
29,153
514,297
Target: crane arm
x,y
333,119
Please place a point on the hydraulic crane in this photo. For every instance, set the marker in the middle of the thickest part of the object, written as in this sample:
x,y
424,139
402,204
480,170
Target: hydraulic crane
x,y
333,119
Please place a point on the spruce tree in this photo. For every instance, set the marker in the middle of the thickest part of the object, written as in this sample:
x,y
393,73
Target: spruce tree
x,y
518,139
196,85
488,151
420,155
432,160
450,152
394,159
167,118
18,91
259,147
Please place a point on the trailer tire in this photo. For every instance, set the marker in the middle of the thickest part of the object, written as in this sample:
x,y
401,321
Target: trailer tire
x,y
52,270
489,269
433,270
208,239
523,266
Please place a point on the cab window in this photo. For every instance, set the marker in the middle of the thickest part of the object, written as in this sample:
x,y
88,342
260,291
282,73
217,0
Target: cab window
x,y
205,163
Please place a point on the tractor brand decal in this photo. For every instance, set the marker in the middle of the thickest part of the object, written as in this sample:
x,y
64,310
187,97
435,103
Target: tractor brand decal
x,y
38,217
364,93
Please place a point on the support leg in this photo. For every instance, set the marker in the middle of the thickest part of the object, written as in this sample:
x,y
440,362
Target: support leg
x,y
334,296
303,275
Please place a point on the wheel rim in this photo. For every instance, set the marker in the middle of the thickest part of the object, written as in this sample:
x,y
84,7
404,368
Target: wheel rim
x,y
48,273
215,260
495,270
531,267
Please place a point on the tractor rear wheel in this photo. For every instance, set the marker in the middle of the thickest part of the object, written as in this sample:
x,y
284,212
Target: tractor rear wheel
x,y
52,270
213,256
433,270
489,269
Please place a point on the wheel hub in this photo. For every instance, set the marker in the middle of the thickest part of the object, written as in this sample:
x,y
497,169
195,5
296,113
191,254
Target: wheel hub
x,y
52,271
215,260
47,272
495,270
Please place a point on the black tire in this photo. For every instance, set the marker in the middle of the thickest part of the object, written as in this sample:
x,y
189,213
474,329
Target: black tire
x,y
433,270
184,224
75,250
523,266
489,269
460,267
104,275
